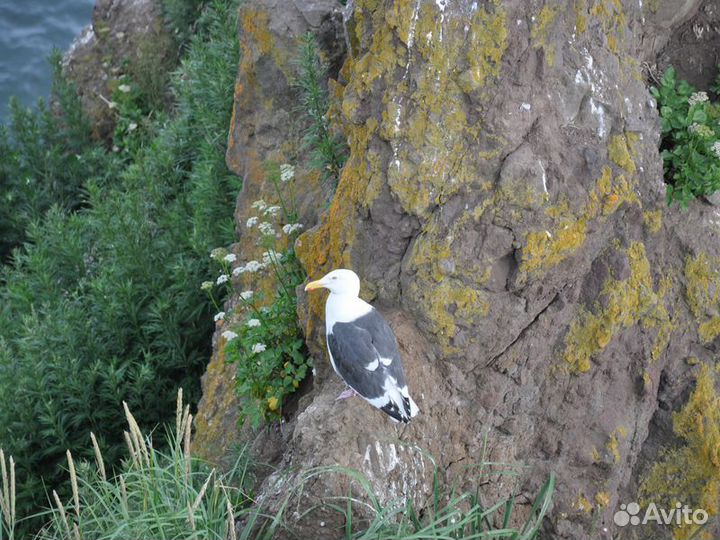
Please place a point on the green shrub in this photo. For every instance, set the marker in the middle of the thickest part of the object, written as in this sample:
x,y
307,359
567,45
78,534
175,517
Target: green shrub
x,y
327,149
101,304
46,156
691,139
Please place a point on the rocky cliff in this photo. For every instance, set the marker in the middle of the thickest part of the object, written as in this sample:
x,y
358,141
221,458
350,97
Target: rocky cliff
x,y
503,203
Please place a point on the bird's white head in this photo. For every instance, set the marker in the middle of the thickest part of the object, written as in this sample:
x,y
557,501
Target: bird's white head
x,y
339,281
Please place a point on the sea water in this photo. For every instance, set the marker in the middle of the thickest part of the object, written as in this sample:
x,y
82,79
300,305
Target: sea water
x,y
29,29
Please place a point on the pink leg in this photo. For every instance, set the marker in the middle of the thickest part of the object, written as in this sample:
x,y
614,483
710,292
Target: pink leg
x,y
345,394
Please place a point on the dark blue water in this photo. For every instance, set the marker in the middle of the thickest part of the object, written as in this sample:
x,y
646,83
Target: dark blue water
x,y
29,29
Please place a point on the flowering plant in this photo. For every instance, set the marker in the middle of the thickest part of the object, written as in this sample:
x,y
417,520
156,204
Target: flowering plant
x,y
263,338
690,124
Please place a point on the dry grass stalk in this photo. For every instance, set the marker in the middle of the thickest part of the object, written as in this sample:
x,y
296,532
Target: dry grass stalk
x,y
186,448
131,447
137,435
123,491
200,495
178,415
98,457
63,515
231,520
74,483
7,495
191,518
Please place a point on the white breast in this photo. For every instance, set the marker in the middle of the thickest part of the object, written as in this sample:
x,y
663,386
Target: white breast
x,y
342,308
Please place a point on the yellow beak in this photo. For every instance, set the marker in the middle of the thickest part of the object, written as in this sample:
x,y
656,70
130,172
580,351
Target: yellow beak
x,y
314,285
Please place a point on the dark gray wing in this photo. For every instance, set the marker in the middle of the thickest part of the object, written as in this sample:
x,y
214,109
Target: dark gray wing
x,y
366,356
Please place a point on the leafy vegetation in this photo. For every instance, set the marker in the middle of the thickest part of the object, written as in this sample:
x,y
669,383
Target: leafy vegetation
x,y
153,494
169,494
262,335
691,139
46,156
328,151
100,304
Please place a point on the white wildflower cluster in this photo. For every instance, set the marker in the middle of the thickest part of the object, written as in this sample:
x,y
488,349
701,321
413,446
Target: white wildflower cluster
x,y
697,97
222,278
250,266
258,348
218,254
269,256
259,205
291,228
272,211
251,222
287,172
266,228
206,286
229,335
716,148
219,317
700,129
230,257
252,323
246,295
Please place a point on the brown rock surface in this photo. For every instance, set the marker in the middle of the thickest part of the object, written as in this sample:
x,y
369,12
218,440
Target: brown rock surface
x,y
503,199
125,35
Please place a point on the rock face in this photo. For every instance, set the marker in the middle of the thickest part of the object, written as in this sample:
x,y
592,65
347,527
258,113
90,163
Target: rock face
x,y
124,36
503,203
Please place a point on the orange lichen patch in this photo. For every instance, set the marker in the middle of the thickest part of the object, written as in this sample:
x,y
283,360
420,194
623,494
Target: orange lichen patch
x,y
702,276
254,23
690,474
627,302
257,40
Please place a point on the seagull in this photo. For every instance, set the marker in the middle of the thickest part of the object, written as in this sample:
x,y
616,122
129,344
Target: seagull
x,y
362,347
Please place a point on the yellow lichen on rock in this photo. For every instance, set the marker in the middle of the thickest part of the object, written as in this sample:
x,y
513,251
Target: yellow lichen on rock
x,y
602,498
581,9
702,276
613,21
613,445
542,29
691,474
652,219
624,304
449,291
487,44
546,248
619,152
